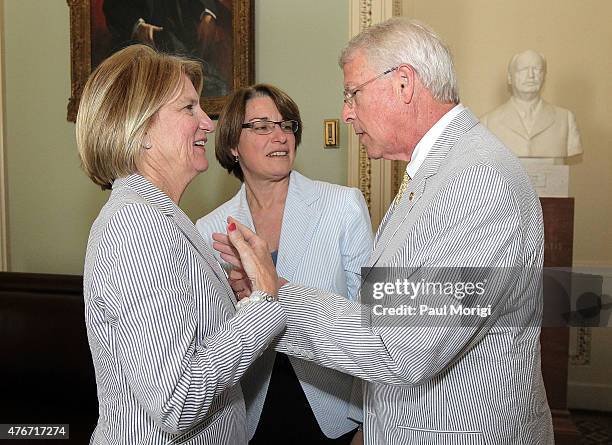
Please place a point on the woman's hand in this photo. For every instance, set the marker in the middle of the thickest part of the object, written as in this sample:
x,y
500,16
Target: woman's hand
x,y
243,249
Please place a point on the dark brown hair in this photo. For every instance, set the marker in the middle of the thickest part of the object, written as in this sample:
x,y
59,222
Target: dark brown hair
x,y
231,119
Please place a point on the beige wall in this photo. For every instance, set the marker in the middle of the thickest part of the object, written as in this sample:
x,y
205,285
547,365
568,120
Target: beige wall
x,y
576,39
51,203
297,47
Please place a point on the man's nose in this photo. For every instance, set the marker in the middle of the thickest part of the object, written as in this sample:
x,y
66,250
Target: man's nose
x,y
348,114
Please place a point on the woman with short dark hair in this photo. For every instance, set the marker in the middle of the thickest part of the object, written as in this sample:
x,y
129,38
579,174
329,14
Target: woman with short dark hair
x,y
318,234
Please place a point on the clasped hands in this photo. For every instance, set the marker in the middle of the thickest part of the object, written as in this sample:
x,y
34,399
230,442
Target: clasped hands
x,y
249,255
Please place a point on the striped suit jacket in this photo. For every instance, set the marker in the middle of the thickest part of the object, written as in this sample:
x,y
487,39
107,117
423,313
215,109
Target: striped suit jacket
x,y
326,237
469,204
167,344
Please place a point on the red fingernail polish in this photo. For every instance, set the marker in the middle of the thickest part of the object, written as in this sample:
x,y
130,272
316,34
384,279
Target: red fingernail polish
x,y
231,227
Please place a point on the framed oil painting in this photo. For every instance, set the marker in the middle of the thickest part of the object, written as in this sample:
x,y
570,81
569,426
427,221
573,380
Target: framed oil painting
x,y
218,33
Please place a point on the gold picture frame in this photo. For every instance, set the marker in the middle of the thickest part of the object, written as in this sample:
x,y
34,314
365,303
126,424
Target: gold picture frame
x,y
83,15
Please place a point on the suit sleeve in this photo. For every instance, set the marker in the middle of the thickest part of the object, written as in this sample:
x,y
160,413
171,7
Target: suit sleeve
x,y
473,221
356,240
356,247
172,372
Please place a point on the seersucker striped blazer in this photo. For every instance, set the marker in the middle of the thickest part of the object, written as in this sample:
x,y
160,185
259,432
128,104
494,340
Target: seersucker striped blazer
x,y
469,204
326,237
167,344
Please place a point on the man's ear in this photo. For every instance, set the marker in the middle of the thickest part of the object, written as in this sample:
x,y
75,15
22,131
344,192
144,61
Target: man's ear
x,y
406,82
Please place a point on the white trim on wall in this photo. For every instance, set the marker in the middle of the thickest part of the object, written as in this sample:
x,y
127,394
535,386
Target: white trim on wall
x,y
3,203
373,178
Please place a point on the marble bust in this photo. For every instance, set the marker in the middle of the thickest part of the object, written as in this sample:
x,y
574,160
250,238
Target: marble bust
x,y
528,125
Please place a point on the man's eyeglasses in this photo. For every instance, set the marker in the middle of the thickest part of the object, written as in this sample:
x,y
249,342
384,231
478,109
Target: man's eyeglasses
x,y
349,95
267,127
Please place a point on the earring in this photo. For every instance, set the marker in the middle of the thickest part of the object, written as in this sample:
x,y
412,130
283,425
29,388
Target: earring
x,y
236,160
146,143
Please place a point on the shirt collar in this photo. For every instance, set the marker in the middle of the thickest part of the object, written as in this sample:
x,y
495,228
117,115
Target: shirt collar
x,y
429,139
148,191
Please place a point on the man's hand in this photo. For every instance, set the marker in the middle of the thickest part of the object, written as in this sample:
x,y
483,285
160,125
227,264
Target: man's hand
x,y
357,438
240,283
145,33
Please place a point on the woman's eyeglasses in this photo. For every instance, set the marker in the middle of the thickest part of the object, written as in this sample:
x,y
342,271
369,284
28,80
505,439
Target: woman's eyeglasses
x,y
267,127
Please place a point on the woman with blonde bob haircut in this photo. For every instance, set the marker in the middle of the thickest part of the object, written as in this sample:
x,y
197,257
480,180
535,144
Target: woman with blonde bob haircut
x,y
167,342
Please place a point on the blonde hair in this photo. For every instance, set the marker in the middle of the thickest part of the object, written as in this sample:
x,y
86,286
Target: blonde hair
x,y
119,102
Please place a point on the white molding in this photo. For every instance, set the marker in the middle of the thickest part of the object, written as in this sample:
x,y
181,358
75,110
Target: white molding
x,y
362,14
352,140
3,202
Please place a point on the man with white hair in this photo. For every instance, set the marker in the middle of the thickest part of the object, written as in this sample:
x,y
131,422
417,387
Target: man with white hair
x,y
528,125
465,203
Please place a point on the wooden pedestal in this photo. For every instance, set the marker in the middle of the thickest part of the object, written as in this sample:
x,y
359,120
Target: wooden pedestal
x,y
558,243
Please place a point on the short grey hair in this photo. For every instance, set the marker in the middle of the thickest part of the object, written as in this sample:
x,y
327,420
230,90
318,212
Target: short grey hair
x,y
400,40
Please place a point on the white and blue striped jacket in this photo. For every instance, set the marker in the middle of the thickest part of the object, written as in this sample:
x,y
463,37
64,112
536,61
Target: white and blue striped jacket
x,y
168,347
326,237
469,204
